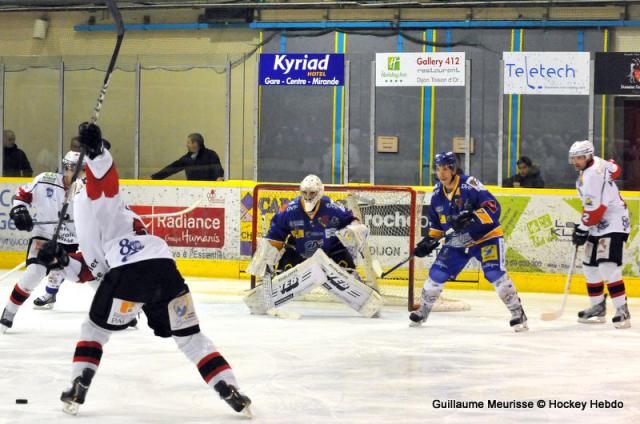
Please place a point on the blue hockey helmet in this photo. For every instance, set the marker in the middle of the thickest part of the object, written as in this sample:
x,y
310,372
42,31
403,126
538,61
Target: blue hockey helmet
x,y
446,159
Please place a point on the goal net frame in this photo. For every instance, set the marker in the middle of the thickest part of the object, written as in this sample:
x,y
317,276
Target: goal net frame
x,y
413,197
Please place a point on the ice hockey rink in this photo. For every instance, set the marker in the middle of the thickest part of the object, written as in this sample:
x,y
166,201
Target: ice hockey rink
x,y
331,366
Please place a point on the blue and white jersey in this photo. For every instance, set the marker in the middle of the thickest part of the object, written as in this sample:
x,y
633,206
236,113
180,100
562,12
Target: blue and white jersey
x,y
310,231
468,194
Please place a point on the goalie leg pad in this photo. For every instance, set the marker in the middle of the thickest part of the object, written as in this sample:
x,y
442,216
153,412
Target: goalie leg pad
x,y
266,255
347,288
287,286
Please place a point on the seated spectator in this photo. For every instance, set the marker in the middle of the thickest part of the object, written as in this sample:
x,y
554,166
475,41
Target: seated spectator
x,y
200,163
528,175
15,162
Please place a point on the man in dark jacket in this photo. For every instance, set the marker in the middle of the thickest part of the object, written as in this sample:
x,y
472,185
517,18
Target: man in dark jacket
x,y
15,162
528,175
200,163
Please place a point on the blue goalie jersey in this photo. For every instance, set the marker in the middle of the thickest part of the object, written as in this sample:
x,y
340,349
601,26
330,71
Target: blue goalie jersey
x,y
468,195
310,231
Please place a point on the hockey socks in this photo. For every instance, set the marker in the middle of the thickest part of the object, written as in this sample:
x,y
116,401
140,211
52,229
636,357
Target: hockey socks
x,y
509,296
428,297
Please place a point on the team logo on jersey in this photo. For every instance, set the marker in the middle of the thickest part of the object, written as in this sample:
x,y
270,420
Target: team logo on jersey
x,y
49,192
489,253
323,220
129,248
443,219
297,233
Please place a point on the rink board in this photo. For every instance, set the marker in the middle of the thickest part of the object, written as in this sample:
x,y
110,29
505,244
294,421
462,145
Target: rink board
x,y
214,240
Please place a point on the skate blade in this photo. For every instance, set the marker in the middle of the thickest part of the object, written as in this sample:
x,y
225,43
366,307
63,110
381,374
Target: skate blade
x,y
623,324
70,407
520,328
416,324
46,307
3,329
592,320
247,411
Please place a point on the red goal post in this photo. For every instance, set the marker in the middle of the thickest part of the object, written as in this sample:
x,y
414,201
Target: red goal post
x,y
392,213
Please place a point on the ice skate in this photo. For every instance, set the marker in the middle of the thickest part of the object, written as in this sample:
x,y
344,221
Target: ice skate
x,y
6,321
622,318
594,314
236,400
46,301
419,316
74,396
518,320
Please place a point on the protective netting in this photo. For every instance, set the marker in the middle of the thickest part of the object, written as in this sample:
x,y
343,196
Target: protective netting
x,y
393,216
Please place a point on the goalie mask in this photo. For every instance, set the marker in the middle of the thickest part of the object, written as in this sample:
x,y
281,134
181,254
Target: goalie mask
x,y
311,191
581,148
70,161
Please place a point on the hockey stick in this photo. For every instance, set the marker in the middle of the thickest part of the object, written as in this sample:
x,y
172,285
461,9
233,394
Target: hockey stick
x,y
8,273
113,8
150,215
550,316
448,233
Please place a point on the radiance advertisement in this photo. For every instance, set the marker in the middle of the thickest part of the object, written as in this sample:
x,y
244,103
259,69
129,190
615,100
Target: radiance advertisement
x,y
207,232
617,73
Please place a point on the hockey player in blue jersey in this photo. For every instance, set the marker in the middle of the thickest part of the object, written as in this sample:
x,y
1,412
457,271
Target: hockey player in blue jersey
x,y
311,242
466,215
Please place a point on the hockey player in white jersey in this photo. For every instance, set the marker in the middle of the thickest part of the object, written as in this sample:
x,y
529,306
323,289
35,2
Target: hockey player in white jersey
x,y
138,273
311,242
604,228
46,195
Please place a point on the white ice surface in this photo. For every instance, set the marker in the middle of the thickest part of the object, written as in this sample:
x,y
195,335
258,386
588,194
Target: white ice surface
x,y
331,366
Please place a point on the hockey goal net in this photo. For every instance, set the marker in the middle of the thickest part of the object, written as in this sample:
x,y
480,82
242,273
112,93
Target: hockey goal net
x,y
394,216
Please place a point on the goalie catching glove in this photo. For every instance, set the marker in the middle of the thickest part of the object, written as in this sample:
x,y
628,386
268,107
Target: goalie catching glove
x,y
267,255
353,236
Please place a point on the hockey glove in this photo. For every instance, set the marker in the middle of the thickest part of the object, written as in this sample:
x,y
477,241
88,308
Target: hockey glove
x,y
91,139
579,237
21,217
425,247
463,221
53,256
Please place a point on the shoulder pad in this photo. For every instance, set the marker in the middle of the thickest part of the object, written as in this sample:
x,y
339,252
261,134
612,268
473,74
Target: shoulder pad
x,y
48,177
333,205
473,182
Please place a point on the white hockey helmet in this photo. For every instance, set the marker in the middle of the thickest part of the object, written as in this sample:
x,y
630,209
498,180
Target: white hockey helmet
x,y
581,148
311,190
70,161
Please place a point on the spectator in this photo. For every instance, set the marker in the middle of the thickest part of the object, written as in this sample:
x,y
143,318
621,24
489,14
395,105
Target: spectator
x,y
200,163
528,175
15,162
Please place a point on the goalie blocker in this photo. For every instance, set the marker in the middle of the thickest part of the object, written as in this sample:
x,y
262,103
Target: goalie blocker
x,y
318,270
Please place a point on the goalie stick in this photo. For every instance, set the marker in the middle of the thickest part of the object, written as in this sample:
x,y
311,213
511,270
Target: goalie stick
x,y
113,8
150,215
550,316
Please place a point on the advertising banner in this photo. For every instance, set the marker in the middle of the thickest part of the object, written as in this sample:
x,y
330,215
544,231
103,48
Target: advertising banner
x,y
303,69
420,69
617,73
551,73
537,228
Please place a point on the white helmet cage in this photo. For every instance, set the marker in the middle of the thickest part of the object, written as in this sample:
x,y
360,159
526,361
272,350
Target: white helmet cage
x,y
581,148
70,161
311,190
